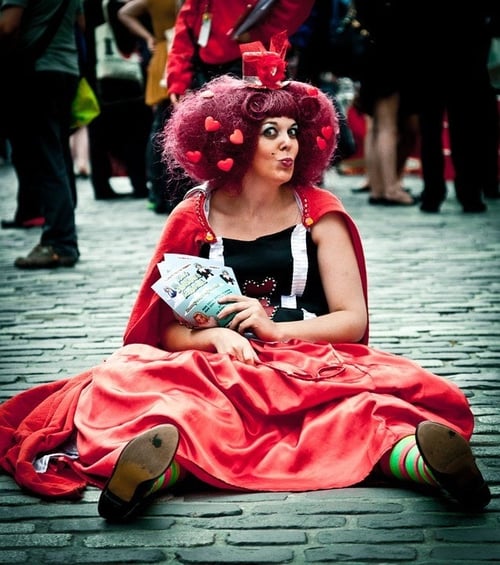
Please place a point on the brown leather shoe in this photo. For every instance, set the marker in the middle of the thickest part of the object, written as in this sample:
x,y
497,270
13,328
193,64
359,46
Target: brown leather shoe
x,y
449,457
142,461
45,257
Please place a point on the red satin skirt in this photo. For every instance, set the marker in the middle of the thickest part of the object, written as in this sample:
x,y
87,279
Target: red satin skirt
x,y
308,416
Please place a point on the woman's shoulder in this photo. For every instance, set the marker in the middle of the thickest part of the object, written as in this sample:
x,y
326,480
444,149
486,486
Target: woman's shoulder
x,y
190,207
190,216
316,202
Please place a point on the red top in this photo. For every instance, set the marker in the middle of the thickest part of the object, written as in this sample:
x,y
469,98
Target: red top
x,y
221,48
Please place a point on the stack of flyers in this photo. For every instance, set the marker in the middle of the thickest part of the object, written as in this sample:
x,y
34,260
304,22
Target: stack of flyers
x,y
192,286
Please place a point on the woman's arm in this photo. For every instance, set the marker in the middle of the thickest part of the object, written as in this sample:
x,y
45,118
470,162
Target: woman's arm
x,y
129,14
180,58
341,281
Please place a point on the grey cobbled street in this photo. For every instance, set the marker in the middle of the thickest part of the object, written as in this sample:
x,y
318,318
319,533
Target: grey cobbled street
x,y
434,283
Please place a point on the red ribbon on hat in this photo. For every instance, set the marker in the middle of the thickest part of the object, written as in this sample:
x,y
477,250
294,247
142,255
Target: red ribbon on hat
x,y
262,67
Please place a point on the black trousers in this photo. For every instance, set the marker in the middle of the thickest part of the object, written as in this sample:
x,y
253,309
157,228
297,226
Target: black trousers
x,y
37,114
121,131
472,117
455,84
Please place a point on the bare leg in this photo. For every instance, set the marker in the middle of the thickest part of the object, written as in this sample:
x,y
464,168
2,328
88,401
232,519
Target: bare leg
x,y
383,168
80,151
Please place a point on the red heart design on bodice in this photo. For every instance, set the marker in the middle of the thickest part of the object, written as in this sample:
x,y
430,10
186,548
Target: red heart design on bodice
x,y
258,289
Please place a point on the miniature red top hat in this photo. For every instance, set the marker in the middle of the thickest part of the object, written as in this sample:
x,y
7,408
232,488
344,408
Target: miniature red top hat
x,y
262,68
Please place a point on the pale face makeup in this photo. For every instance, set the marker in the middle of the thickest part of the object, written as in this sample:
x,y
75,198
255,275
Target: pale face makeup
x,y
276,151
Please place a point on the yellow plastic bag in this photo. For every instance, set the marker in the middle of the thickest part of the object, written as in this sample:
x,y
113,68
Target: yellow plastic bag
x,y
85,105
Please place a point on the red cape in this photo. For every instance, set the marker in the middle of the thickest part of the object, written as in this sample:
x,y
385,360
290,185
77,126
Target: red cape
x,y
308,416
187,230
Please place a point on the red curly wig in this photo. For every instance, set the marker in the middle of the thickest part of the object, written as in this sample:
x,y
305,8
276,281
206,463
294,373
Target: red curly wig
x,y
213,132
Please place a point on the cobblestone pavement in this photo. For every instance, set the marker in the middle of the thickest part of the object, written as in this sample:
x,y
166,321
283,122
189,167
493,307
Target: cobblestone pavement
x,y
435,297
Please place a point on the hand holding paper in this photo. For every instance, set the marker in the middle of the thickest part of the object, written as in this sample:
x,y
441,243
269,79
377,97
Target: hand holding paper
x,y
192,286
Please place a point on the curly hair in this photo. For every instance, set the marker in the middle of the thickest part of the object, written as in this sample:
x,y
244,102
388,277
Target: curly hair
x,y
213,132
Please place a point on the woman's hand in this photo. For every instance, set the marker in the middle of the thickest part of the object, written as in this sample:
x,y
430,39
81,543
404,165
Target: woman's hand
x,y
174,98
151,43
249,316
177,337
237,346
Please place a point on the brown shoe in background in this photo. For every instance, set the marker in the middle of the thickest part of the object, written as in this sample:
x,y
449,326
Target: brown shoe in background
x,y
45,257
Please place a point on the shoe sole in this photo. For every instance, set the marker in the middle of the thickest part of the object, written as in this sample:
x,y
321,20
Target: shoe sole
x,y
445,450
21,264
449,457
145,458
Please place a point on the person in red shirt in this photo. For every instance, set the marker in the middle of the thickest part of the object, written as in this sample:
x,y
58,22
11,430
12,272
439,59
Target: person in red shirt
x,y
205,44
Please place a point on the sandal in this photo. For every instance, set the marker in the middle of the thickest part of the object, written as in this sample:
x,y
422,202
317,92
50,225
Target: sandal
x,y
142,461
449,457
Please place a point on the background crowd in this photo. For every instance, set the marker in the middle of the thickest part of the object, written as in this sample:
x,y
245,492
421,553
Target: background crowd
x,y
423,90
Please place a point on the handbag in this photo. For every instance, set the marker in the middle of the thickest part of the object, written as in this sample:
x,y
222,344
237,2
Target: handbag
x,y
110,61
85,106
350,47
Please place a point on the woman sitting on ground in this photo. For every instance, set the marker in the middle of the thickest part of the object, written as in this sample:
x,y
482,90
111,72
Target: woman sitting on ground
x,y
283,395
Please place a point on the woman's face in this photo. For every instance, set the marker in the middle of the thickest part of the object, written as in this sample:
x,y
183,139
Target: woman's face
x,y
276,151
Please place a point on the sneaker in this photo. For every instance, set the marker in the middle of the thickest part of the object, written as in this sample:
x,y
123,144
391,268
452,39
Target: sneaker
x,y
45,257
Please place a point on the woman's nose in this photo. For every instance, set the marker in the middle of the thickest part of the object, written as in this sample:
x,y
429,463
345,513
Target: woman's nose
x,y
285,141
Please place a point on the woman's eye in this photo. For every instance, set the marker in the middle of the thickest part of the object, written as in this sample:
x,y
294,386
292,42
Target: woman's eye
x,y
270,131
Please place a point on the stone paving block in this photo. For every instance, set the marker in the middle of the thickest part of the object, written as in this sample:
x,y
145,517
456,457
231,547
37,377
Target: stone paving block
x,y
266,537
360,552
325,507
367,536
167,538
97,524
53,510
79,556
11,557
35,540
467,554
466,535
16,528
207,510
273,521
219,556
427,520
